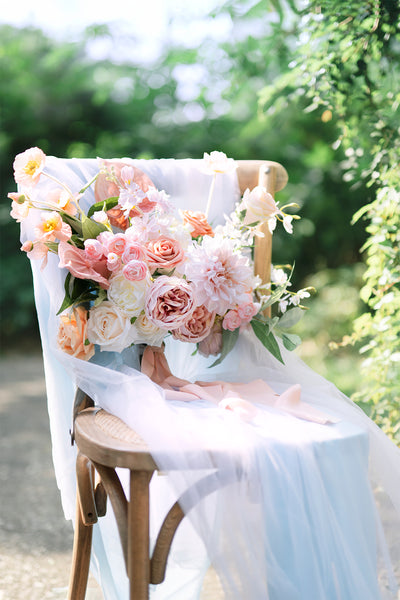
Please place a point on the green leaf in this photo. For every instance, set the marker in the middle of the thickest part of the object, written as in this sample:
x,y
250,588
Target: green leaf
x,y
267,339
103,205
290,318
76,224
91,229
290,341
229,339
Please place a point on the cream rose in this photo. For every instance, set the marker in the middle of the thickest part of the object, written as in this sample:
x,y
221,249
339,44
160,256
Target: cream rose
x,y
259,204
129,296
147,332
197,327
169,302
110,328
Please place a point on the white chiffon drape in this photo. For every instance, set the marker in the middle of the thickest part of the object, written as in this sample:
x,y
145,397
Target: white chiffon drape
x,y
300,510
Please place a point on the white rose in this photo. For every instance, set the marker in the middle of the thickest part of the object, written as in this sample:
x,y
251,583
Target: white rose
x,y
110,328
129,296
259,204
147,332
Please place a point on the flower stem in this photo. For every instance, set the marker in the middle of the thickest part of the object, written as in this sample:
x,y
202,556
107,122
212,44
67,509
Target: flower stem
x,y
210,194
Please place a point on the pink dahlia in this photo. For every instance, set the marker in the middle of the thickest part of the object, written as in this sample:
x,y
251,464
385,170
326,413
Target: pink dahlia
x,y
221,277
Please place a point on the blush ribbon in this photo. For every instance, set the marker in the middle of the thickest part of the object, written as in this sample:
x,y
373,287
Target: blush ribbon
x,y
236,397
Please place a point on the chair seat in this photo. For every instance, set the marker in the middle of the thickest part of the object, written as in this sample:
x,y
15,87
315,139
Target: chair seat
x,y
107,440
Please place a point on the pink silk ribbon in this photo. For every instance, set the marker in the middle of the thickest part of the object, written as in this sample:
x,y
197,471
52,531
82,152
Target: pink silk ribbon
x,y
236,397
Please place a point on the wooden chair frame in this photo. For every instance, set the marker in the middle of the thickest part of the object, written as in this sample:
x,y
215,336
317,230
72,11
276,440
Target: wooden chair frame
x,y
105,443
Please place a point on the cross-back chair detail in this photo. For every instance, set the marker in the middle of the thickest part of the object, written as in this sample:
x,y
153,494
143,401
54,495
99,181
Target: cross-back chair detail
x,y
104,443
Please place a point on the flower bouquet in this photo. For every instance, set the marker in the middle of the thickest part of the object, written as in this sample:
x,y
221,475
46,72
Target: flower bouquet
x,y
138,270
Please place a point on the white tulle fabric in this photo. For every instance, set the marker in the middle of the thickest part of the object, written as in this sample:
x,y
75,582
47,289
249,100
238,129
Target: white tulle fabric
x,y
296,510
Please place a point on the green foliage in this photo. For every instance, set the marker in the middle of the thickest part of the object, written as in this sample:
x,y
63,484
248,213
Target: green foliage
x,y
347,69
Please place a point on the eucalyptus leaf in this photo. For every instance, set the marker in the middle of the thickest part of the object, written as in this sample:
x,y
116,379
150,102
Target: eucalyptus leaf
x,y
290,341
290,318
229,339
267,339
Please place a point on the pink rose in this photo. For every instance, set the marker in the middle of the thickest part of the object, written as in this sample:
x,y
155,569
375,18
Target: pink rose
x,y
80,266
135,270
197,327
72,334
231,320
133,251
164,254
117,244
248,310
94,249
169,302
198,223
212,344
113,262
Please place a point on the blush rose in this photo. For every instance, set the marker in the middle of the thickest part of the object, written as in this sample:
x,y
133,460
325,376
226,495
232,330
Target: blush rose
x,y
169,302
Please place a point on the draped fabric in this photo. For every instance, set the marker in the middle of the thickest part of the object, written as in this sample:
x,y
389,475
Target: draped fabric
x,y
295,509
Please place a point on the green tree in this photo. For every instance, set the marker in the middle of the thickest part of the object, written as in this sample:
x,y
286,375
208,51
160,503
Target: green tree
x,y
346,68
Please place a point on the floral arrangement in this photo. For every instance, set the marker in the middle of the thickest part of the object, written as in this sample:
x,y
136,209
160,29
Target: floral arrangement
x,y
138,270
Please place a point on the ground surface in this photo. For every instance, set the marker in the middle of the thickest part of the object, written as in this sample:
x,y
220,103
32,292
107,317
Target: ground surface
x,y
35,540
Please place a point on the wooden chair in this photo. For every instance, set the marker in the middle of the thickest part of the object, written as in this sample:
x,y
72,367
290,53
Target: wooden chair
x,y
104,443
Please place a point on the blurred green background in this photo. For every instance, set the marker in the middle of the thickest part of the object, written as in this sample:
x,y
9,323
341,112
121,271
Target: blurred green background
x,y
57,95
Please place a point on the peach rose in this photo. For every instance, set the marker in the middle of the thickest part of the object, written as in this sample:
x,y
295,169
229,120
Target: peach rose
x,y
197,327
169,302
212,344
72,334
164,254
198,223
135,270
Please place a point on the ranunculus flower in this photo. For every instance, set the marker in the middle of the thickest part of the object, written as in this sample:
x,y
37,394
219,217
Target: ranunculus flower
x,y
94,249
79,265
217,162
197,327
259,204
135,270
52,227
147,332
133,251
110,328
72,334
164,254
169,302
28,167
114,262
248,310
198,223
117,244
231,320
212,344
129,296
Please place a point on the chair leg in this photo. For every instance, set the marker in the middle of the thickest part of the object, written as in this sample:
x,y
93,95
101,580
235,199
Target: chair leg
x,y
138,538
80,557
